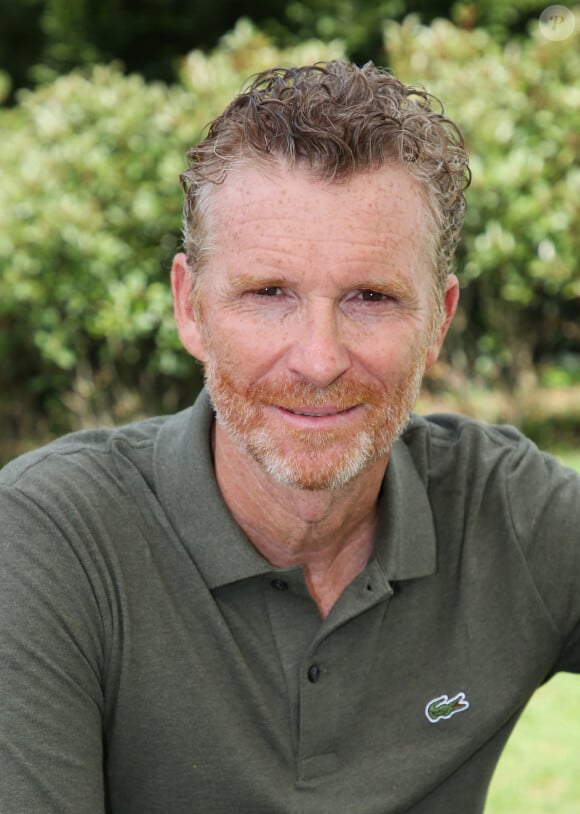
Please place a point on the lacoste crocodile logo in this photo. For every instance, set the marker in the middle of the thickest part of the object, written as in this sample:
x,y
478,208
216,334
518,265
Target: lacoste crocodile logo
x,y
442,708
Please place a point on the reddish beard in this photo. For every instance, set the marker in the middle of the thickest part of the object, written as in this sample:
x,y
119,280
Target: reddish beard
x,y
320,458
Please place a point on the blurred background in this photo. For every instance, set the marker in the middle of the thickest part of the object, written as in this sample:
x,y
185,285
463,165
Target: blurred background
x,y
101,99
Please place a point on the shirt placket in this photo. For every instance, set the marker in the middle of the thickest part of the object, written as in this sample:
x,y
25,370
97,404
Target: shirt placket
x,y
322,670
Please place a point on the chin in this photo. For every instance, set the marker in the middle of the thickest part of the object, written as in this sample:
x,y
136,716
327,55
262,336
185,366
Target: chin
x,y
319,469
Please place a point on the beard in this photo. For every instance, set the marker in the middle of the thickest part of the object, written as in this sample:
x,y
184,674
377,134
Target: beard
x,y
317,459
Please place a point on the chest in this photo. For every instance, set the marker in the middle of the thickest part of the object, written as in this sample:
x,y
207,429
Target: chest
x,y
240,699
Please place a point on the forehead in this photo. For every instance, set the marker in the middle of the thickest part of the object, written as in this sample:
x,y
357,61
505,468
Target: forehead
x,y
370,198
378,215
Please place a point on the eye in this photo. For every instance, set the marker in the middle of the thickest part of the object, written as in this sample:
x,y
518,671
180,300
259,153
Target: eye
x,y
268,291
367,295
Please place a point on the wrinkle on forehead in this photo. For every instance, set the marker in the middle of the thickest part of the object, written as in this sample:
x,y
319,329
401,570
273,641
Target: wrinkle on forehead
x,y
383,208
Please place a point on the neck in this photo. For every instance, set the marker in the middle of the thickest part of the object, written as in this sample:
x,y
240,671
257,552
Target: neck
x,y
329,533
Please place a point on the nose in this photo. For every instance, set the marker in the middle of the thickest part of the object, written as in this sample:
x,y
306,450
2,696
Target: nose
x,y
318,352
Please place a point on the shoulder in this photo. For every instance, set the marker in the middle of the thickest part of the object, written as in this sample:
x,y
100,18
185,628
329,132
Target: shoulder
x,y
461,434
73,503
498,500
493,467
84,481
452,443
87,454
453,440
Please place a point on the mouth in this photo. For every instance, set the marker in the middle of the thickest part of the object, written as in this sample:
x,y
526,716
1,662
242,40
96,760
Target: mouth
x,y
316,418
320,413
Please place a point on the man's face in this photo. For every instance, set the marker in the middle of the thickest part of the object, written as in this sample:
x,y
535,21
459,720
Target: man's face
x,y
314,318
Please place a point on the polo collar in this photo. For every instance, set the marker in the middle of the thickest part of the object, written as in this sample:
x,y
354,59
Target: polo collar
x,y
190,496
405,546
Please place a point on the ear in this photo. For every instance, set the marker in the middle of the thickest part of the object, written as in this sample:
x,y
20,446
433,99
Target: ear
x,y
450,300
186,318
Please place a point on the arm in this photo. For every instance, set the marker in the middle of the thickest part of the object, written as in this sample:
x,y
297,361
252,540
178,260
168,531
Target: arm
x,y
545,506
51,657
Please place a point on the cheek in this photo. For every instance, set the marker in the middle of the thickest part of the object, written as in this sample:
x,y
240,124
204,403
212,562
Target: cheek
x,y
394,360
235,351
247,343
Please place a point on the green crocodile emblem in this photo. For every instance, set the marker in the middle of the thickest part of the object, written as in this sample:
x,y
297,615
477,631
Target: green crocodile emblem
x,y
442,708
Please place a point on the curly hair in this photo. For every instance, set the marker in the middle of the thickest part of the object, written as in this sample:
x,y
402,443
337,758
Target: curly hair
x,y
334,119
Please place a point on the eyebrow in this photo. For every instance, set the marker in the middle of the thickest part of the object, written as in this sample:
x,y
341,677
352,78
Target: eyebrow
x,y
248,282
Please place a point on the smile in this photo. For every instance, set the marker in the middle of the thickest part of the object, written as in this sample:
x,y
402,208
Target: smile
x,y
317,414
321,417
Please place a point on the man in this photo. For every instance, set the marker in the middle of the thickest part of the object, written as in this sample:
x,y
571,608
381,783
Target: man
x,y
292,597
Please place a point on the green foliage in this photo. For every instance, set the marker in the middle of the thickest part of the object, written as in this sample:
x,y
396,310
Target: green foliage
x,y
359,23
4,86
87,225
244,51
519,108
40,39
20,39
500,19
90,210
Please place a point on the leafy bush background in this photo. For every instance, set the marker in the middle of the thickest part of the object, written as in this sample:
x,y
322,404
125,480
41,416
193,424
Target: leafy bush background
x,y
90,216
40,39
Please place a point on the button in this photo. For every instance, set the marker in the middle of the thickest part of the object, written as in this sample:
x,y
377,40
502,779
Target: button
x,y
313,673
279,584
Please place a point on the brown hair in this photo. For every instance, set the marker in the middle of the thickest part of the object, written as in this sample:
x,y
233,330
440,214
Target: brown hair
x,y
335,119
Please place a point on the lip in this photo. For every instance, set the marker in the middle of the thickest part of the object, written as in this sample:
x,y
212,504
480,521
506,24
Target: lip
x,y
317,412
316,417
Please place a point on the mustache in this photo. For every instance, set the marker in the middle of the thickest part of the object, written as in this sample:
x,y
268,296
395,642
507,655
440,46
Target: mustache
x,y
341,394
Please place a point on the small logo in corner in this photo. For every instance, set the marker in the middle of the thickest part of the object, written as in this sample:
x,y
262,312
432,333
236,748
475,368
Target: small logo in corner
x,y
557,23
442,708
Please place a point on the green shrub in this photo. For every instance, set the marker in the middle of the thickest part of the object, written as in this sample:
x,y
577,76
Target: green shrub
x,y
88,220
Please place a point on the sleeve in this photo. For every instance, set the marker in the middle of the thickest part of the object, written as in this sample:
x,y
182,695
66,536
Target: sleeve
x,y
544,499
51,657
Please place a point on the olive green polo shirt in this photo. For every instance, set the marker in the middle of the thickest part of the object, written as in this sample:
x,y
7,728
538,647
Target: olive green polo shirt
x,y
151,661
